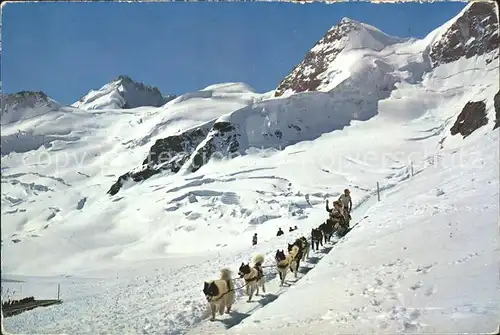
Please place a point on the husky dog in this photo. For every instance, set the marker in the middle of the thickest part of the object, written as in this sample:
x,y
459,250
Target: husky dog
x,y
327,228
283,264
305,248
295,255
220,293
299,243
253,276
317,238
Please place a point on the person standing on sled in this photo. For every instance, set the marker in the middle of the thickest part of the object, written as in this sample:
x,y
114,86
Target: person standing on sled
x,y
346,201
280,232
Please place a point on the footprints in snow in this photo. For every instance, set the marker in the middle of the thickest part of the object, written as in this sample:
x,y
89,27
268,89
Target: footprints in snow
x,y
425,269
417,285
431,290
386,296
409,319
439,192
466,258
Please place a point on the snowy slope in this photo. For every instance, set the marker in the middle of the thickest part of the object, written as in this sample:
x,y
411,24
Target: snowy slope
x,y
136,261
25,105
47,155
426,260
123,93
364,67
219,207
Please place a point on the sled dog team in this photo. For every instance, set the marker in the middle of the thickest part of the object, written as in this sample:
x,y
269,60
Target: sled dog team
x,y
221,293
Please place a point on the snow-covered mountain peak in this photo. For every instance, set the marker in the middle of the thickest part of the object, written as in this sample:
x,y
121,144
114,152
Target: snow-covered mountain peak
x,y
347,35
25,105
473,32
123,93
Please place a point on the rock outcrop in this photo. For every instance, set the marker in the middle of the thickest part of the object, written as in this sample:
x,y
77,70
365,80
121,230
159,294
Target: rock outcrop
x,y
166,155
474,33
472,117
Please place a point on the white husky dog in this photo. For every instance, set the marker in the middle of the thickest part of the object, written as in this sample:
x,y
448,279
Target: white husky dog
x,y
254,276
283,264
220,293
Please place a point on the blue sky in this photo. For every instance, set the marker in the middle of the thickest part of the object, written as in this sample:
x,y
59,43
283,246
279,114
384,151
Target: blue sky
x,y
65,49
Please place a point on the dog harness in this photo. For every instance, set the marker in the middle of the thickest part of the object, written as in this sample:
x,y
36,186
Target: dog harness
x,y
214,291
260,274
282,264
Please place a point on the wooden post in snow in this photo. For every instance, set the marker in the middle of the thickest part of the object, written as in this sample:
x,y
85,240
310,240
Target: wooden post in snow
x,y
2,329
411,168
378,191
58,290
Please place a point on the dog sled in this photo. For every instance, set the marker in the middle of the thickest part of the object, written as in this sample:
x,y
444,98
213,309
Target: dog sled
x,y
341,228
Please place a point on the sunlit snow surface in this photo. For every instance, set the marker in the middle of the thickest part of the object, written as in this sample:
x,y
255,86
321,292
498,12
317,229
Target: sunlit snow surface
x,y
425,259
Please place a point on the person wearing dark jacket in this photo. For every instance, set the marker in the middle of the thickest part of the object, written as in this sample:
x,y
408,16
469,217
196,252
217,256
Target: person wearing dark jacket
x,y
254,239
337,212
280,232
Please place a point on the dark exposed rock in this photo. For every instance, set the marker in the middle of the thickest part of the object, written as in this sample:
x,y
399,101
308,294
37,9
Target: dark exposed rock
x,y
222,142
473,34
167,154
81,203
176,147
496,102
472,117
441,142
143,174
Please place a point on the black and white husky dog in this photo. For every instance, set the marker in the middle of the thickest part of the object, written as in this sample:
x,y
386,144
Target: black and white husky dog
x,y
253,276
